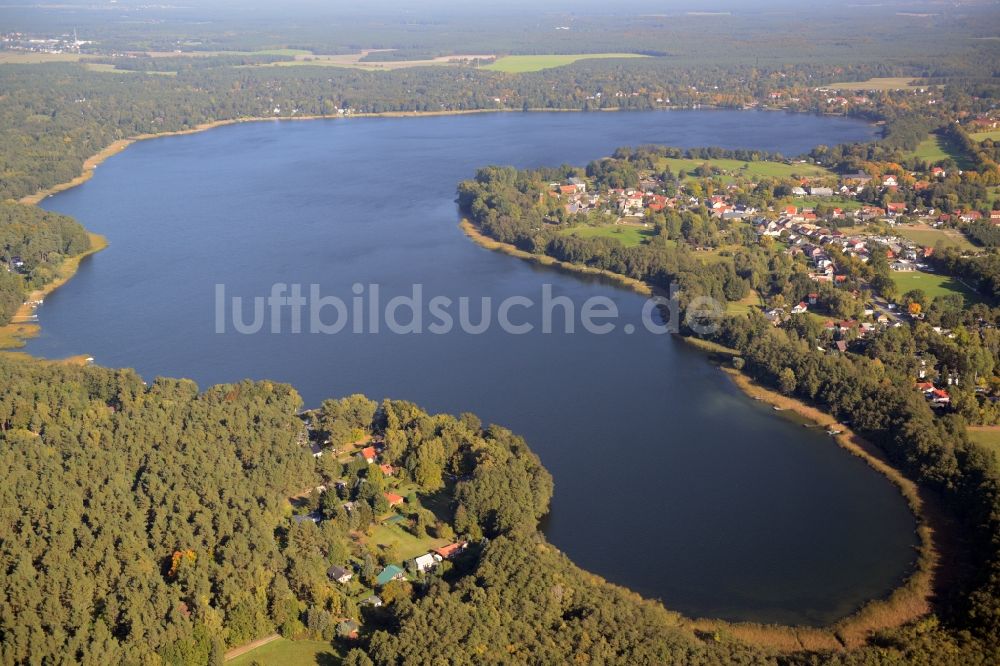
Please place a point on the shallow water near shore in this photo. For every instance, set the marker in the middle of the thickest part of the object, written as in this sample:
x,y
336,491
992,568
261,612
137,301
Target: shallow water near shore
x,y
668,479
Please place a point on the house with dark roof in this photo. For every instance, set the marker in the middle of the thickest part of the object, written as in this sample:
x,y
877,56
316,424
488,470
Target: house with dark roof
x,y
339,574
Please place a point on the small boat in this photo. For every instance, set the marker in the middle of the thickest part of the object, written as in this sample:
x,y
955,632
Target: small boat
x,y
778,409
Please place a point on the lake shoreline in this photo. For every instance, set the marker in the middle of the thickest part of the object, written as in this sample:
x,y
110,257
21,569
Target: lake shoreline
x,y
909,600
95,160
774,636
22,325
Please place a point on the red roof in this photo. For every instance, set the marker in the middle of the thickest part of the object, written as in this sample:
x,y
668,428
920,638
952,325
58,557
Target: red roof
x,y
925,386
447,551
387,469
369,453
394,499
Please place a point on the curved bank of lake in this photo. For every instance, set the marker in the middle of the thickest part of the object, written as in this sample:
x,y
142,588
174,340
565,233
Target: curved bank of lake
x,y
668,479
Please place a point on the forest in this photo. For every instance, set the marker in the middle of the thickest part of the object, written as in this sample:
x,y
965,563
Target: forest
x,y
59,114
118,551
33,243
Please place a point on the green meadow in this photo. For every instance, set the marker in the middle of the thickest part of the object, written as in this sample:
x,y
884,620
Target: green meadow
x,y
739,167
933,285
283,652
627,235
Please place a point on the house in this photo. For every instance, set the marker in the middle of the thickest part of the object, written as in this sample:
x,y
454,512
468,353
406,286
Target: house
x,y
798,191
821,191
374,601
940,397
800,308
578,185
890,181
369,454
394,499
567,189
348,630
813,298
895,208
452,549
841,346
339,574
938,172
426,562
313,517
316,449
388,470
389,574
924,387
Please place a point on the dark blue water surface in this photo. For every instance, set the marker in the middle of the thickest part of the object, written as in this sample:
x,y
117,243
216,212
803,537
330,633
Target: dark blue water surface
x,y
668,480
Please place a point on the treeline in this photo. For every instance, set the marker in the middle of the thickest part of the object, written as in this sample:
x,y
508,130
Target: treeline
x,y
33,243
646,157
984,233
57,115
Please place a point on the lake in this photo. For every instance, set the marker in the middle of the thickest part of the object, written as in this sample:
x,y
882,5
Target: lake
x,y
668,479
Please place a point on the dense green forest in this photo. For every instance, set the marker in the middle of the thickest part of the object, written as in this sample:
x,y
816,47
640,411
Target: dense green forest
x,y
165,524
33,243
151,525
54,116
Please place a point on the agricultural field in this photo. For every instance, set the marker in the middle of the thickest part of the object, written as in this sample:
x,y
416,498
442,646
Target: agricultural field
x,y
519,64
29,58
627,234
355,60
886,83
933,285
283,652
733,168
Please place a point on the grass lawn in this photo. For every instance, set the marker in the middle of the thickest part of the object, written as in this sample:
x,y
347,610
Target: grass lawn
x,y
518,64
283,652
935,148
931,237
833,202
626,234
736,168
982,136
932,285
986,437
885,83
407,545
751,302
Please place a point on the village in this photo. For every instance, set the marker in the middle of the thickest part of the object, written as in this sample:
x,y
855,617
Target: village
x,y
824,221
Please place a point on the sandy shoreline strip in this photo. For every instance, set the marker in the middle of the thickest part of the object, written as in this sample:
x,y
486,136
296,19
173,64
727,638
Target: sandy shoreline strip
x,y
23,325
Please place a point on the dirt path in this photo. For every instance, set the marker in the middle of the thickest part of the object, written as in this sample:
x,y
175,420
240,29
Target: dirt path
x,y
243,649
